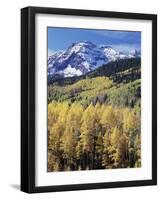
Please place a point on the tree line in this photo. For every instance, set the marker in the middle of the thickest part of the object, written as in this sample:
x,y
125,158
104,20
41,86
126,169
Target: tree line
x,y
110,69
95,137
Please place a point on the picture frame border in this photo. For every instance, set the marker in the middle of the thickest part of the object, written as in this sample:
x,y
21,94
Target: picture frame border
x,y
28,98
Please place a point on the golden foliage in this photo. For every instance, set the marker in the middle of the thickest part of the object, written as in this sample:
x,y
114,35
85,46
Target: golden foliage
x,y
95,137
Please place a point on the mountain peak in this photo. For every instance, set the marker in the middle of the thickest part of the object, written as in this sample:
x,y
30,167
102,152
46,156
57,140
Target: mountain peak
x,y
102,46
82,57
82,44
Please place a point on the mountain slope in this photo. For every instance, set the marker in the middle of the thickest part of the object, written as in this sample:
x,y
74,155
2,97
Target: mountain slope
x,y
112,70
116,83
83,57
97,90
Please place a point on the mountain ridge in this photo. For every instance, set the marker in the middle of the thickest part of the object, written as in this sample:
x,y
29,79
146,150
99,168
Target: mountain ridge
x,y
83,57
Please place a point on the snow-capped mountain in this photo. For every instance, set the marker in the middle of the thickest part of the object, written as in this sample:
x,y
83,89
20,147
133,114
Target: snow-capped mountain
x,y
83,57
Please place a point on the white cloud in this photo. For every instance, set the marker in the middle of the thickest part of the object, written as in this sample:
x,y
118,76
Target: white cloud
x,y
128,35
126,48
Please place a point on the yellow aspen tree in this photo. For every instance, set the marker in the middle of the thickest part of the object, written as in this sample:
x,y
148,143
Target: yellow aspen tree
x,y
137,146
88,135
108,119
131,128
70,136
54,144
107,152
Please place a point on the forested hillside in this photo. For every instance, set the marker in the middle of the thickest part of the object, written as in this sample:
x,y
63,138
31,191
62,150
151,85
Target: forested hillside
x,y
94,119
117,83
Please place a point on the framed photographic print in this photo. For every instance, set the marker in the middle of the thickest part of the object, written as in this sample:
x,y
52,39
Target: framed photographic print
x,y
88,99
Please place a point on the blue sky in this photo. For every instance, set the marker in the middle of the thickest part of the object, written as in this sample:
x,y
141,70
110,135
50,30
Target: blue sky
x,y
61,38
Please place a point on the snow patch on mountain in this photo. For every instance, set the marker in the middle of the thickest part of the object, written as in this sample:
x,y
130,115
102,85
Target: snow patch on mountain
x,y
70,71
